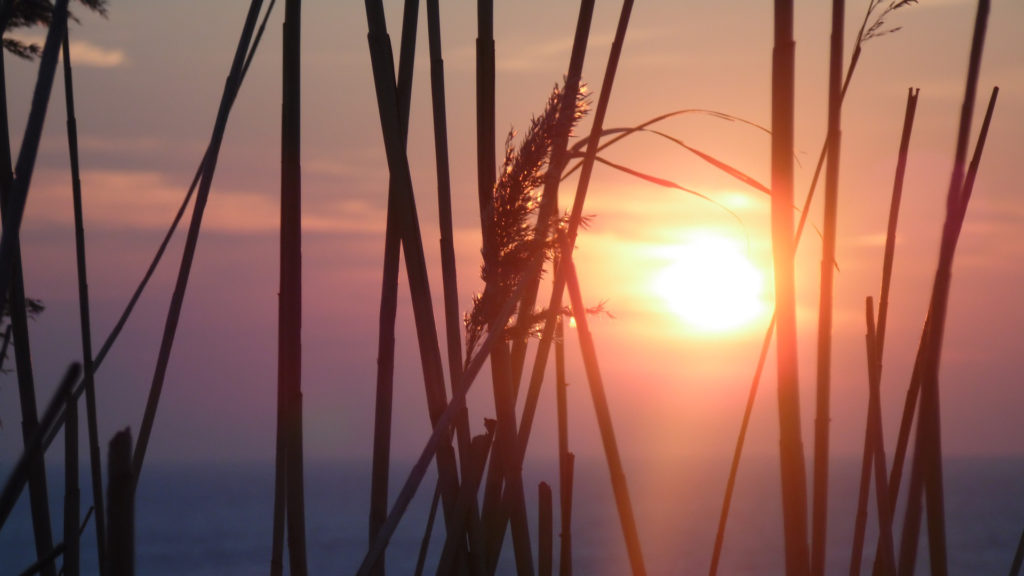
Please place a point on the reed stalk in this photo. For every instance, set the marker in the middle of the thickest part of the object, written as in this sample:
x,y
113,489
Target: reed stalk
x,y
862,36
389,300
72,496
430,356
929,444
604,418
18,330
95,461
289,374
545,531
556,164
19,475
558,155
18,191
177,299
123,319
794,488
575,220
121,500
439,434
565,458
819,510
870,442
421,558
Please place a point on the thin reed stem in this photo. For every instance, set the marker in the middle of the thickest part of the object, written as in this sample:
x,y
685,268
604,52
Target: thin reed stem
x,y
794,488
389,298
95,461
604,418
178,297
819,510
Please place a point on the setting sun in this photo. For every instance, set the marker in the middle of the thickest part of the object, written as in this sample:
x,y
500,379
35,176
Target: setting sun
x,y
711,285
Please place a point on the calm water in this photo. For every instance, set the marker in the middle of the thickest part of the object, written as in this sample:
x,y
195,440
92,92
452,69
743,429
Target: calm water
x,y
198,521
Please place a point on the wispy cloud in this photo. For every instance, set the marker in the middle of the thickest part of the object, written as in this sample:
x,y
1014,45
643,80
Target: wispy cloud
x,y
85,53
148,200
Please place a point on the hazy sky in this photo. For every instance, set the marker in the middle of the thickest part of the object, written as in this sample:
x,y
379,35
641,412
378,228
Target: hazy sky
x,y
148,82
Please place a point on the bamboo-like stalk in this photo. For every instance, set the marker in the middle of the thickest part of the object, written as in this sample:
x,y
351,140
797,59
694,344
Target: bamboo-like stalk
x,y
421,559
565,459
157,257
545,530
453,326
874,458
575,219
770,332
389,300
203,194
819,510
95,461
794,489
23,358
430,356
289,372
531,277
18,192
951,233
604,418
439,435
121,501
34,450
870,440
71,493
929,428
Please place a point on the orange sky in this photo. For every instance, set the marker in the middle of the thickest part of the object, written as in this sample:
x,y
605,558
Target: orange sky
x,y
146,102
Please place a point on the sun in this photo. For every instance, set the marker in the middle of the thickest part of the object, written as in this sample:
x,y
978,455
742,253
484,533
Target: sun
x,y
711,284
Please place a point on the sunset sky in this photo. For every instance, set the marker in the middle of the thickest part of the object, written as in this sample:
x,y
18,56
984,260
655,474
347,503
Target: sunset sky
x,y
148,83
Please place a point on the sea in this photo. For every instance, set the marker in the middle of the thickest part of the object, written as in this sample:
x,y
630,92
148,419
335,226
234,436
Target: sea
x,y
215,518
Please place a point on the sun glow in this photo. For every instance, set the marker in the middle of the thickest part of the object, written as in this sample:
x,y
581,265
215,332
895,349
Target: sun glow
x,y
711,284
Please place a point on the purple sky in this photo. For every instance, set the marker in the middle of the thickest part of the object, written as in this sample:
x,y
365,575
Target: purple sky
x,y
148,81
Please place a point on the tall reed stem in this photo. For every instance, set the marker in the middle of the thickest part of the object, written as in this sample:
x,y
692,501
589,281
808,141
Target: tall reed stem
x,y
178,297
18,329
819,511
430,356
604,418
95,460
389,300
71,491
794,488
121,497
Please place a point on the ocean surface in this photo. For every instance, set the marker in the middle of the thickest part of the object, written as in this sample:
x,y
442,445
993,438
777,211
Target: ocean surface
x,y
194,519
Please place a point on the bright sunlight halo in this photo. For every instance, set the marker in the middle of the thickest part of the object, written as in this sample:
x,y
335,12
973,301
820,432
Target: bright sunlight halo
x,y
711,285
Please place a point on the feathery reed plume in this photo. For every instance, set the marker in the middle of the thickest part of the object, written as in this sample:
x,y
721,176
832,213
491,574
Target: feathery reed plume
x,y
389,299
95,461
819,509
512,216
